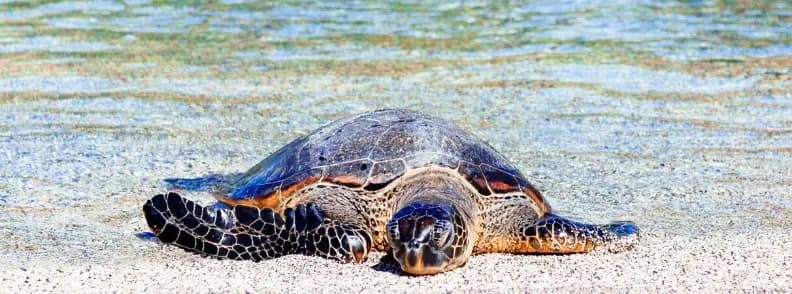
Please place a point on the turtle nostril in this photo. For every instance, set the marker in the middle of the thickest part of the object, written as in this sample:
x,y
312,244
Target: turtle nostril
x,y
413,244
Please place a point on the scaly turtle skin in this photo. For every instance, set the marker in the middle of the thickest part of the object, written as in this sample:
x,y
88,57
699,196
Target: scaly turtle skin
x,y
392,180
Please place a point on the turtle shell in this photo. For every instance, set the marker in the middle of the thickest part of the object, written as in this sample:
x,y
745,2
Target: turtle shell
x,y
369,151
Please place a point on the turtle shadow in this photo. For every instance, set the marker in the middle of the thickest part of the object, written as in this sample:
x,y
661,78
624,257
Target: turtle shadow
x,y
388,264
206,183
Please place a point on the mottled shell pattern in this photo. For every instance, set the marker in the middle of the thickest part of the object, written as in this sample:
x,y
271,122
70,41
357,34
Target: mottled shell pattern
x,y
371,150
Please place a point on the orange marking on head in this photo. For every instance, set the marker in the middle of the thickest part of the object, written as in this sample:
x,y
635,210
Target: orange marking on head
x,y
273,200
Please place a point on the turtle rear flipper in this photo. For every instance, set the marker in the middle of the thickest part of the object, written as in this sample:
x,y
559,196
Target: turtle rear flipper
x,y
250,233
621,236
555,234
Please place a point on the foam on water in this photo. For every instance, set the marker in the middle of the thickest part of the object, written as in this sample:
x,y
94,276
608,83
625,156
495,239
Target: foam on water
x,y
52,44
66,85
622,78
90,7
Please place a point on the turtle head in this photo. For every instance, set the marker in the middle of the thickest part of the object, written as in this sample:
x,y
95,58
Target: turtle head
x,y
428,237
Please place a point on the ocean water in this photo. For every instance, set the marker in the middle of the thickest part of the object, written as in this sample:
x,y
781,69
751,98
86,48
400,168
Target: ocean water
x,y
674,114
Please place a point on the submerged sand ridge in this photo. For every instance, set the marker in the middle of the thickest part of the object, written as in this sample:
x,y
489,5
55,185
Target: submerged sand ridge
x,y
674,116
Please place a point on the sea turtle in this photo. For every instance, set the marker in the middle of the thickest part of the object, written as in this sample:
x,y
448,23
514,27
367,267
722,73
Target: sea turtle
x,y
392,180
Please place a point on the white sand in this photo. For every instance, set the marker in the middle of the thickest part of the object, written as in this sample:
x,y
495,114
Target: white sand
x,y
662,264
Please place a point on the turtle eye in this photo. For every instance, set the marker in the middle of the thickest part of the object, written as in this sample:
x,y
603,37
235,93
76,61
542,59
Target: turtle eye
x,y
393,231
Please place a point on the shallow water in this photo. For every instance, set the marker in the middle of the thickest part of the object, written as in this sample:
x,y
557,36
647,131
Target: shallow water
x,y
677,115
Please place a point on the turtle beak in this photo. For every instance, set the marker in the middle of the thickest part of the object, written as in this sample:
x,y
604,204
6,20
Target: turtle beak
x,y
418,258
414,261
413,255
411,258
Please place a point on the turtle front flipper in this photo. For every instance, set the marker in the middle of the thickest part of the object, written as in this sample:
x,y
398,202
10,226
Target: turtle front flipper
x,y
249,233
555,234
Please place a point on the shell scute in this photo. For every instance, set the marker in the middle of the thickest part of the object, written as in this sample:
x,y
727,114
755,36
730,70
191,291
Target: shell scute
x,y
256,190
499,181
265,178
385,172
422,159
301,179
398,141
351,174
475,177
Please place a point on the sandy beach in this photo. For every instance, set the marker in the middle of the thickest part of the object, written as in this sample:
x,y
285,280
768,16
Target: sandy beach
x,y
661,264
686,132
